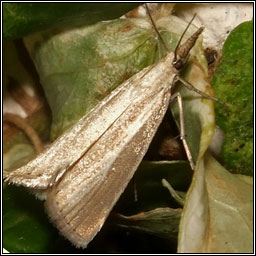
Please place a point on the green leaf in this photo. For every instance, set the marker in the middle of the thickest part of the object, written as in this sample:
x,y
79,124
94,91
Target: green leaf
x,y
177,195
162,222
233,83
218,214
20,19
26,227
78,68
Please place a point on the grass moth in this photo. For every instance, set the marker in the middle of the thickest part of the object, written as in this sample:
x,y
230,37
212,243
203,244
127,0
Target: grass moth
x,y
85,170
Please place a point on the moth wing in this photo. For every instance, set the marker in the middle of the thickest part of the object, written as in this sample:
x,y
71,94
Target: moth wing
x,y
83,198
51,164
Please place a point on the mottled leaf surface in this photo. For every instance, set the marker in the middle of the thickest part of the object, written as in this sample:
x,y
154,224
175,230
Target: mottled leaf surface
x,y
233,83
218,214
79,67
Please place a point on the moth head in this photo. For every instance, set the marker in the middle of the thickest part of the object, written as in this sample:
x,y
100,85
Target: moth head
x,y
178,64
181,53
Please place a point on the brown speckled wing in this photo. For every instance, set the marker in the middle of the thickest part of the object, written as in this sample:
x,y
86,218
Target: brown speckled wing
x,y
49,166
79,203
84,196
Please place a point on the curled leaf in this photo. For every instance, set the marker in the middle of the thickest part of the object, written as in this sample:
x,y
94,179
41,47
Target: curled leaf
x,y
176,195
162,222
218,214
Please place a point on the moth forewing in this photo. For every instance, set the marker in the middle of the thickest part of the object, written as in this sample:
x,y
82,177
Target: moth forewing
x,y
50,165
81,200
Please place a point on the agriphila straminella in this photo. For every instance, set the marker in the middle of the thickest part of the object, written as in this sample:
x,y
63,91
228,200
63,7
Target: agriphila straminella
x,y
84,171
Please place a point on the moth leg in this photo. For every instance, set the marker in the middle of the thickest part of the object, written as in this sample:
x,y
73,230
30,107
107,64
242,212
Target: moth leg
x,y
177,96
203,94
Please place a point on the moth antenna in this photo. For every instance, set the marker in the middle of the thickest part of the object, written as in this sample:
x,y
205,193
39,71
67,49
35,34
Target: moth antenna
x,y
155,28
179,42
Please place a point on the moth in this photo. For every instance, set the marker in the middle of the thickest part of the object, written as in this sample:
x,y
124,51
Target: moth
x,y
84,171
